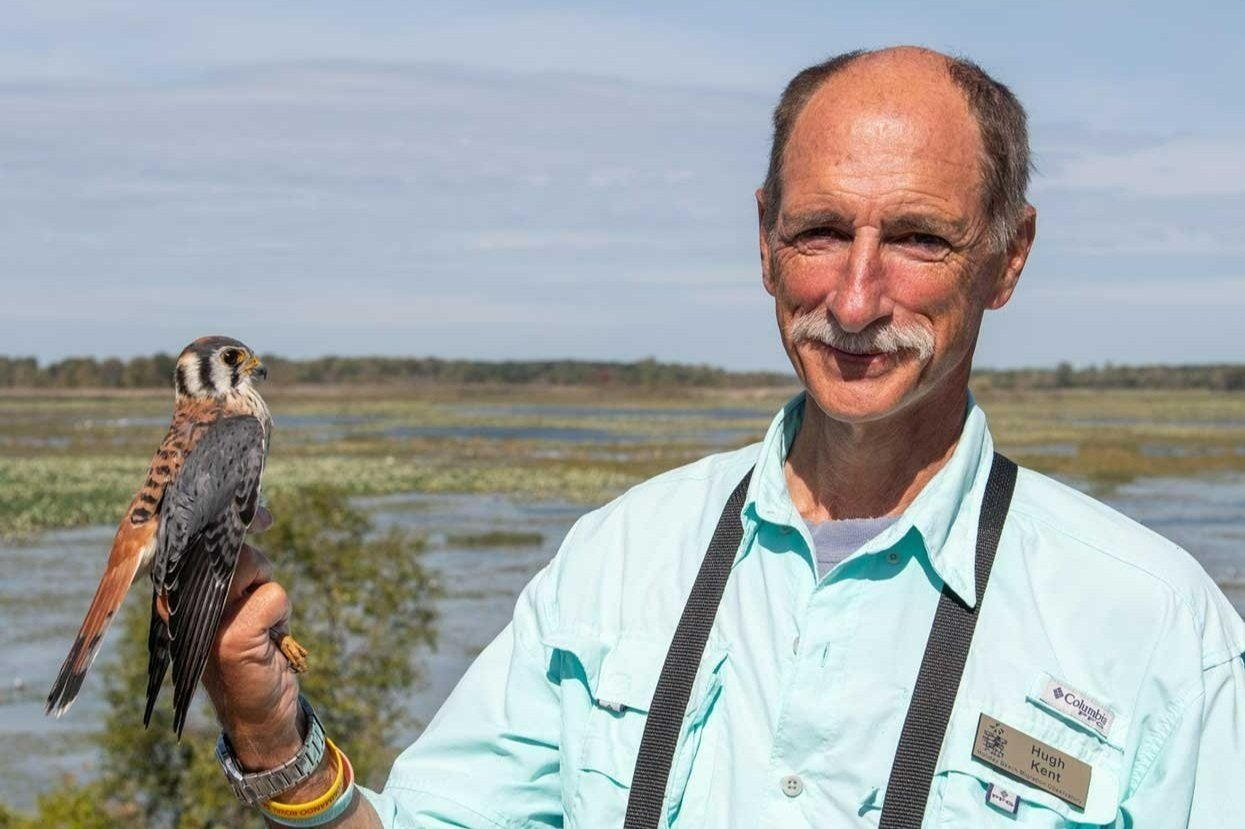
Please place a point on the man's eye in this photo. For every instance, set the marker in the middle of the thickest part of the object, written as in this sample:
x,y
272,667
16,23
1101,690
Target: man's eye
x,y
924,240
822,233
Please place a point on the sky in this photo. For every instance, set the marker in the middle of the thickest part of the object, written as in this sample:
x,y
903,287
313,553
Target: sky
x,y
523,180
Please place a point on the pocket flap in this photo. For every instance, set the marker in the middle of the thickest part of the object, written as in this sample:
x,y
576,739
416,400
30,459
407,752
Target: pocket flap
x,y
1092,714
620,674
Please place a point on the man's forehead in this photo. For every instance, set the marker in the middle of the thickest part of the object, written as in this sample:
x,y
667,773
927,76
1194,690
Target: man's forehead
x,y
905,121
902,111
901,74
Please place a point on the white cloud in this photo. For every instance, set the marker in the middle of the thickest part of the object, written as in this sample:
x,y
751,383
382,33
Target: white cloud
x,y
1179,290
1182,166
427,193
128,38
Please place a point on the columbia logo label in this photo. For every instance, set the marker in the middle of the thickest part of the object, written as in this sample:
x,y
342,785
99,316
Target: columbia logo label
x,y
1081,707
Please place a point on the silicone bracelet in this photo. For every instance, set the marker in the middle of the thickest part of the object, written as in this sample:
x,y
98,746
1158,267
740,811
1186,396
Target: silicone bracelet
x,y
312,807
330,814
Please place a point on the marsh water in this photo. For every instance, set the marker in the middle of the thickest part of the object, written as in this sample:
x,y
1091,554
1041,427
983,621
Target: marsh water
x,y
46,583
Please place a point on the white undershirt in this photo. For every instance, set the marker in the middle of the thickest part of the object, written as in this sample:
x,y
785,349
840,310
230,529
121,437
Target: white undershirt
x,y
834,541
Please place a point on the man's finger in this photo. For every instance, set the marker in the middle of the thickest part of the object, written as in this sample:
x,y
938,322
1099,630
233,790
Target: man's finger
x,y
262,521
256,613
252,570
244,651
245,637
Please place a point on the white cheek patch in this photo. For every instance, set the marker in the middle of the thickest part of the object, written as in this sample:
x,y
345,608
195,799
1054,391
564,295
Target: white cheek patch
x,y
222,377
188,372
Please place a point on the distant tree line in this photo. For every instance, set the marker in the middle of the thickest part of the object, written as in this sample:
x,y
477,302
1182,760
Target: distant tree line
x,y
1219,377
88,372
156,371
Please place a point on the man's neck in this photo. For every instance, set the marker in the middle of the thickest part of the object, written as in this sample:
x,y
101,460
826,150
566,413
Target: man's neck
x,y
864,470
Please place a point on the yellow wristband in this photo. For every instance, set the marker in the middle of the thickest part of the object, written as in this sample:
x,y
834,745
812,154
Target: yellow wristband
x,y
321,803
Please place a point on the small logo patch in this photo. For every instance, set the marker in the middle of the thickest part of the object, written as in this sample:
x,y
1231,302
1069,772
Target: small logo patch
x,y
1080,707
1003,799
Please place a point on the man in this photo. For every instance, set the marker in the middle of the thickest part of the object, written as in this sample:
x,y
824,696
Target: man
x,y
892,218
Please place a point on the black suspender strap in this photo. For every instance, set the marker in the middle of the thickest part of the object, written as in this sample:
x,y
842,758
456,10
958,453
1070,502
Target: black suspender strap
x,y
678,672
933,696
942,666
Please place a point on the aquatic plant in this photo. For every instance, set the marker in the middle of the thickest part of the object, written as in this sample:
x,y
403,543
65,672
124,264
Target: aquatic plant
x,y
71,461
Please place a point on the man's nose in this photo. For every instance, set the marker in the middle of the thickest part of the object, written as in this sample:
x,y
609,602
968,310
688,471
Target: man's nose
x,y
860,296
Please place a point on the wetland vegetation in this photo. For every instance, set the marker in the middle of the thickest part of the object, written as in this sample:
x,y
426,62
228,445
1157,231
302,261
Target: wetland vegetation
x,y
74,458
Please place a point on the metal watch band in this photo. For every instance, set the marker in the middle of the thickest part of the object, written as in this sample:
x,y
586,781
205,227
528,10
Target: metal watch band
x,y
255,788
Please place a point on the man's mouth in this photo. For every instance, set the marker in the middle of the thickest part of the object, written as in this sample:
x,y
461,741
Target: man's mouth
x,y
857,356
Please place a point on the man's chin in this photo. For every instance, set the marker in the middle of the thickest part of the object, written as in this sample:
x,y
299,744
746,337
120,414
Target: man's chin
x,y
847,411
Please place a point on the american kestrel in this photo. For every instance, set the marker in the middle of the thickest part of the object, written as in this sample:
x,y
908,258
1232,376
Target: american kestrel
x,y
186,525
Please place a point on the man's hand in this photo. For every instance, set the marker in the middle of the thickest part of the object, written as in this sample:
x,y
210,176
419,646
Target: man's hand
x,y
251,685
247,677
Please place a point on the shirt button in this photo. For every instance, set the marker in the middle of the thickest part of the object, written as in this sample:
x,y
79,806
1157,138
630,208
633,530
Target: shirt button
x,y
892,557
792,785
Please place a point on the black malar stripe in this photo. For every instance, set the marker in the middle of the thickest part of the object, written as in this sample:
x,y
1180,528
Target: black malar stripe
x,y
205,373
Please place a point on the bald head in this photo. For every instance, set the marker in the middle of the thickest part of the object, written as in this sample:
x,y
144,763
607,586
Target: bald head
x,y
902,94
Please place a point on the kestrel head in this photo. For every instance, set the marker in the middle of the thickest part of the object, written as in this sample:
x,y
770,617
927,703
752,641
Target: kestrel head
x,y
215,367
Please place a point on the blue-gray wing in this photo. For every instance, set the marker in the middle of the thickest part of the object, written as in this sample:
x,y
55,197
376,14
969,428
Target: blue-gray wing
x,y
203,520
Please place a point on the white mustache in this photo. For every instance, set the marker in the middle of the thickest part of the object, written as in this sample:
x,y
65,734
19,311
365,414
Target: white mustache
x,y
883,339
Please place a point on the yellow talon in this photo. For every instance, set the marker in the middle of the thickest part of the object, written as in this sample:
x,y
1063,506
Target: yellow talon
x,y
294,652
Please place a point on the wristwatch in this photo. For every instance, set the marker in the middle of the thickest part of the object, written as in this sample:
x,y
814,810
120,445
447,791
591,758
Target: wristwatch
x,y
257,787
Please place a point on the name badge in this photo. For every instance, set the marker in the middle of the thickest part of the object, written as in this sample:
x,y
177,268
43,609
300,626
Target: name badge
x,y
1033,761
1079,707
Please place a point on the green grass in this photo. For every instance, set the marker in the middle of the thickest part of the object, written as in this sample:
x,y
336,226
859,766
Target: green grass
x,y
76,458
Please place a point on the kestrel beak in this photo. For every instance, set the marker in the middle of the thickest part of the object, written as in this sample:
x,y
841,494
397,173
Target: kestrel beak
x,y
255,368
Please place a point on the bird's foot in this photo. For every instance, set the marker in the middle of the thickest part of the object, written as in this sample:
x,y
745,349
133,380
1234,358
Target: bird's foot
x,y
294,652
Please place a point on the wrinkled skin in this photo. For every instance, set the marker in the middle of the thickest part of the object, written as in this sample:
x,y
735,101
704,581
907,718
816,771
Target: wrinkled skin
x,y
883,219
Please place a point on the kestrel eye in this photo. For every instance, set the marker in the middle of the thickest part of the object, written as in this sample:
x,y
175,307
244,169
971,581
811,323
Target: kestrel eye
x,y
231,357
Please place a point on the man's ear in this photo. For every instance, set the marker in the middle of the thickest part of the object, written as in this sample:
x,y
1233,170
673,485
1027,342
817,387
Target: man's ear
x,y
767,278
1017,255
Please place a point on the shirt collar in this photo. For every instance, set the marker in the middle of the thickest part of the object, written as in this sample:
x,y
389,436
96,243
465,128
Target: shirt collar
x,y
944,512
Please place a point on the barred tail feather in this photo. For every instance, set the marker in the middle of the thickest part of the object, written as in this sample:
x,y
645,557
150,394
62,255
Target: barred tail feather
x,y
130,551
85,648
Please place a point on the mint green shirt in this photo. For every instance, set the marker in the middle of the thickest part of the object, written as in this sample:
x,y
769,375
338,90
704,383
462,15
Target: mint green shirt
x,y
797,708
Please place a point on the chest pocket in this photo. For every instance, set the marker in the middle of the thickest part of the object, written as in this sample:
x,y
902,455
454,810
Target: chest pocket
x,y
963,781
620,679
